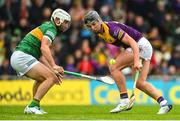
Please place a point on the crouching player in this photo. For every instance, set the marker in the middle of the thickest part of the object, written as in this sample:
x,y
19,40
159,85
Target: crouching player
x,y
136,47
33,58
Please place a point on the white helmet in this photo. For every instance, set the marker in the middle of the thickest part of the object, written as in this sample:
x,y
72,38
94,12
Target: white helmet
x,y
61,14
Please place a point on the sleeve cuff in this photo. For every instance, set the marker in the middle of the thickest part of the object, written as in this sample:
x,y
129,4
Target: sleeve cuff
x,y
50,40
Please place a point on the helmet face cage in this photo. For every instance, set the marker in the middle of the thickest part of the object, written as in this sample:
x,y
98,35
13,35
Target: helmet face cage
x,y
61,14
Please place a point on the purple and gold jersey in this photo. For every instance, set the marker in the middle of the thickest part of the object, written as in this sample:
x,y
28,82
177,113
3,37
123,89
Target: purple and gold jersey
x,y
114,32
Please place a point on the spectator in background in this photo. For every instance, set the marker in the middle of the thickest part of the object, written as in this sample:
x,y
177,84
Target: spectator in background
x,y
169,27
164,67
23,9
10,12
13,44
105,13
36,12
70,65
118,12
46,14
161,54
23,25
159,20
77,12
141,24
85,47
73,42
138,6
6,69
64,4
154,37
85,66
90,4
100,59
130,18
157,14
78,56
57,50
174,62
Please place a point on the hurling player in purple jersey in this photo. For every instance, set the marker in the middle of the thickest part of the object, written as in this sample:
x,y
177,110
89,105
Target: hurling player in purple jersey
x,y
136,47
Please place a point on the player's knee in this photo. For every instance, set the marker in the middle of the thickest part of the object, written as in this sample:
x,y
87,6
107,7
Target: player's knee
x,y
113,70
40,79
49,76
52,79
140,83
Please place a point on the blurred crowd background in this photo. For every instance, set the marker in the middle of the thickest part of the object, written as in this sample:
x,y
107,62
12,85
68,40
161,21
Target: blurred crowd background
x,y
80,50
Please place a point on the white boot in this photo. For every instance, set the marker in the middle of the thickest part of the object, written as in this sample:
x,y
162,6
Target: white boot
x,y
32,110
164,109
124,105
44,112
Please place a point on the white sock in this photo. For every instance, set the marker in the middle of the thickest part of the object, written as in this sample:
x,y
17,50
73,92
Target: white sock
x,y
163,103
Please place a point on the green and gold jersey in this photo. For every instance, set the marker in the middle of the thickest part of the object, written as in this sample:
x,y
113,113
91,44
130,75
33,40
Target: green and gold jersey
x,y
31,43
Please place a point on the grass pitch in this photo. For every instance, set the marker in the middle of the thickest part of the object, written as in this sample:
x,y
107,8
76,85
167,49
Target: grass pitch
x,y
89,112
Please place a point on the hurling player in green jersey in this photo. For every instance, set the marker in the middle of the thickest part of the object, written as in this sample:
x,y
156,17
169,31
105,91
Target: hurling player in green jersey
x,y
33,58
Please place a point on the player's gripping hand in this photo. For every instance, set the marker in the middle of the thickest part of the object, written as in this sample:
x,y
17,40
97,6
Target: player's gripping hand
x,y
59,71
137,65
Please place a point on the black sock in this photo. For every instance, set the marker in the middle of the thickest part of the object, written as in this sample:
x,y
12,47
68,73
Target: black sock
x,y
160,99
123,95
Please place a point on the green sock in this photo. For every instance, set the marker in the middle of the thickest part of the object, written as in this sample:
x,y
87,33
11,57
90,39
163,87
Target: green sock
x,y
34,103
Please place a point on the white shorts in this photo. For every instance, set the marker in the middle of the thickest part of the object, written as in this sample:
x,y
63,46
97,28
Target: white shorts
x,y
22,62
145,49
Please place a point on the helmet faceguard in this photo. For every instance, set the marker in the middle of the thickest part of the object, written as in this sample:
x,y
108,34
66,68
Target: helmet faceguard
x,y
63,17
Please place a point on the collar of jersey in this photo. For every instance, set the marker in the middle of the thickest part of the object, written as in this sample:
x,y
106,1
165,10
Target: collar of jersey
x,y
105,35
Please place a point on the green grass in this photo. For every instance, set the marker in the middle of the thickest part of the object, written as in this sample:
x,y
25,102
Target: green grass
x,y
89,112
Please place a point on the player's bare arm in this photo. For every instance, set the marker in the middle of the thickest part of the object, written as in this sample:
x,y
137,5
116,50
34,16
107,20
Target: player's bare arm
x,y
133,44
46,52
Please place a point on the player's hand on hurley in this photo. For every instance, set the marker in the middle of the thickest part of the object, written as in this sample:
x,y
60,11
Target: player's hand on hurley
x,y
59,71
137,65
